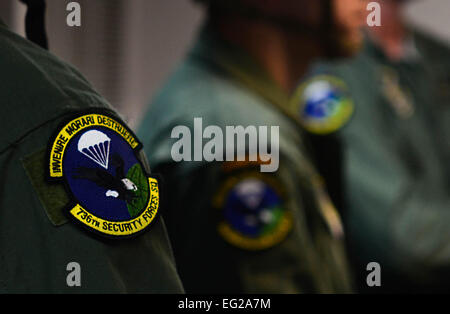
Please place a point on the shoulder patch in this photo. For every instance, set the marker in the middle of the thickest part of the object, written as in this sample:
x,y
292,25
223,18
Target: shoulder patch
x,y
254,216
95,156
322,104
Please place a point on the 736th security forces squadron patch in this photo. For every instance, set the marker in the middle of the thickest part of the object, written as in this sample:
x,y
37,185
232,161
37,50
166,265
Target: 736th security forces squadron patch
x,y
253,212
95,155
322,104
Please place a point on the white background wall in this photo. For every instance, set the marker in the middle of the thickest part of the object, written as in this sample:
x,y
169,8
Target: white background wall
x,y
431,15
127,48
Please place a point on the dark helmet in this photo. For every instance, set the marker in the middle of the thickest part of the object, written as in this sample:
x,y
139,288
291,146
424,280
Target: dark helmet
x,y
249,8
323,30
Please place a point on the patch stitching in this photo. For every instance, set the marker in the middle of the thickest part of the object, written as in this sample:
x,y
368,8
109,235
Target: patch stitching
x,y
105,122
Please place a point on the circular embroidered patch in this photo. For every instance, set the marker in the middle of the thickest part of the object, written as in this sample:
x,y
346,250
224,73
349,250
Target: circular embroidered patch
x,y
95,155
323,104
254,216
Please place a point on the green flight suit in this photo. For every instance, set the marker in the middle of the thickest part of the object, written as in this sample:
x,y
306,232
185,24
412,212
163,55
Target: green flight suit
x,y
396,208
37,242
225,87
435,57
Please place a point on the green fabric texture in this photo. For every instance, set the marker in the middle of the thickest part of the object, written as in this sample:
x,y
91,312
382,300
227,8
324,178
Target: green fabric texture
x,y
224,86
53,197
38,92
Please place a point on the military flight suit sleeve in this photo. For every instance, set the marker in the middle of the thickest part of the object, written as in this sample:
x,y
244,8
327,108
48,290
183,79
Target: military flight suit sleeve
x,y
37,242
215,255
235,229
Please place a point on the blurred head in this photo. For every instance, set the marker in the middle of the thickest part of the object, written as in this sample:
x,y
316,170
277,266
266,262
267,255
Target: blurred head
x,y
337,23
349,19
391,12
393,34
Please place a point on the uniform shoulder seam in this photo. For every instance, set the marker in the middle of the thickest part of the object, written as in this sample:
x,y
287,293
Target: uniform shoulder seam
x,y
63,112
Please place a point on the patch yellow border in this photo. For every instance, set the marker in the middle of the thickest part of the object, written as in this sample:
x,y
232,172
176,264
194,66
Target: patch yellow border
x,y
122,228
255,244
76,125
238,239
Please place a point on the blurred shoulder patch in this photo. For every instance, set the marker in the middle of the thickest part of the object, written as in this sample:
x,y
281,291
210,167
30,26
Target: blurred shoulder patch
x,y
253,212
322,104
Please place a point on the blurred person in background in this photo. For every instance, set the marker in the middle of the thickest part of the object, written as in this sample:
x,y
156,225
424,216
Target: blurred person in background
x,y
395,178
235,229
47,243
